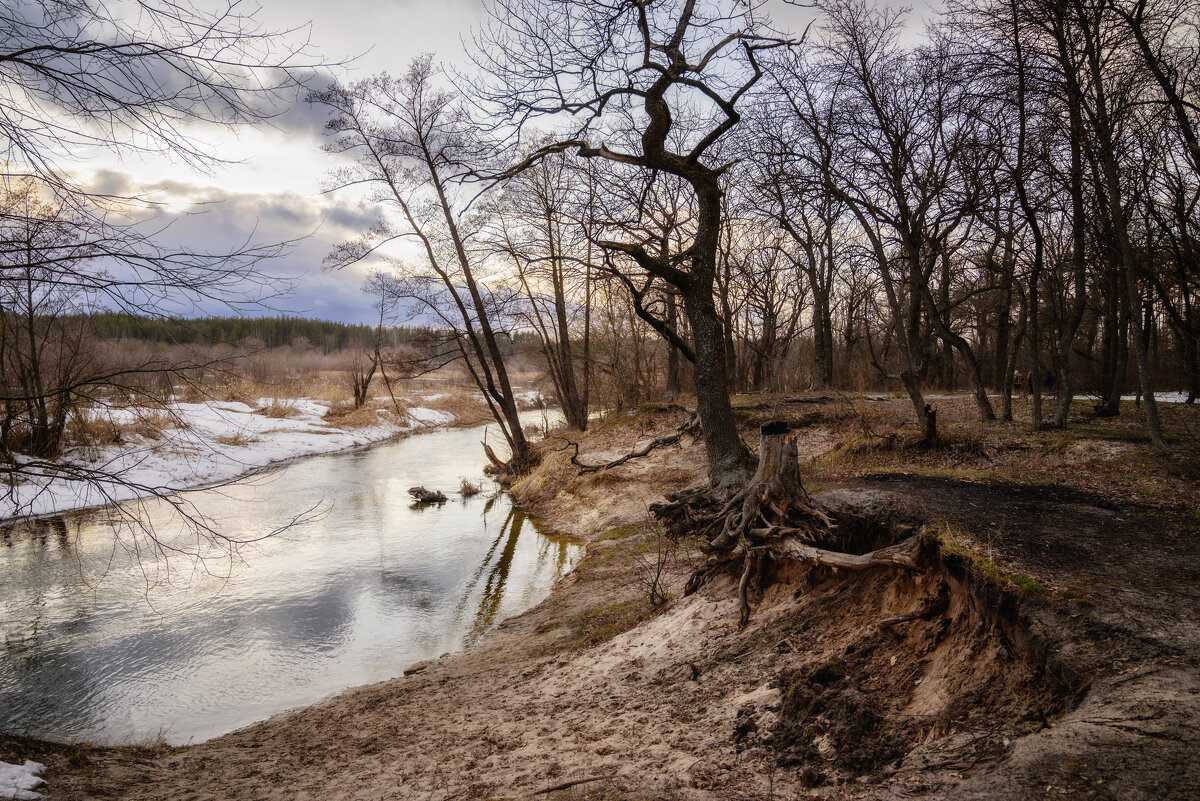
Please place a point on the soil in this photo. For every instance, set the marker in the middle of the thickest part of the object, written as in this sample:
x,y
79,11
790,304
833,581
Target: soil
x,y
1050,649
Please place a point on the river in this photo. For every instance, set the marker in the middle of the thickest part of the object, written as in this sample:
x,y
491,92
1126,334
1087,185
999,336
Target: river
x,y
107,642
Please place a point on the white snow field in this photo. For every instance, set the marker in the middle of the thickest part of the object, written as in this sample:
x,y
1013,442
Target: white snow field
x,y
20,781
203,444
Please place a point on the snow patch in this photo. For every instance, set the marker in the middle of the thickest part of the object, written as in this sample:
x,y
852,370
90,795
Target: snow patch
x,y
203,444
19,781
430,417
1162,397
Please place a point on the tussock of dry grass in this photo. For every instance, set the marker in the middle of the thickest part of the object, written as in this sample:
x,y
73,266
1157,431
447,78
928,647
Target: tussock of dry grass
x,y
277,410
239,439
344,415
94,430
465,404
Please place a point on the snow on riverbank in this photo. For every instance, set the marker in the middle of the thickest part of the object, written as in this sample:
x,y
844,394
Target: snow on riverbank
x,y
200,444
19,781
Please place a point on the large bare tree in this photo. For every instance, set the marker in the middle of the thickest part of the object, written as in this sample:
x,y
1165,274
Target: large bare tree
x,y
618,75
411,142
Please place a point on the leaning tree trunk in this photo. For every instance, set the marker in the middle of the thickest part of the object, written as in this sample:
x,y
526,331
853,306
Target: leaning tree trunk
x,y
769,519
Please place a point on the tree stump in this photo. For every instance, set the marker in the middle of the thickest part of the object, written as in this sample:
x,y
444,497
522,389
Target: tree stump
x,y
769,519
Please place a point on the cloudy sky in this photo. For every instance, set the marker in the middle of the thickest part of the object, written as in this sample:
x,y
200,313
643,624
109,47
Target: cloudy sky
x,y
269,189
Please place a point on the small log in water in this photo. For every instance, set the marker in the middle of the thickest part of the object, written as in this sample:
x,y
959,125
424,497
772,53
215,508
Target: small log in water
x,y
427,496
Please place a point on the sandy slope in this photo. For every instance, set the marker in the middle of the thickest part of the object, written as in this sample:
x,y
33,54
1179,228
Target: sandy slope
x,y
596,695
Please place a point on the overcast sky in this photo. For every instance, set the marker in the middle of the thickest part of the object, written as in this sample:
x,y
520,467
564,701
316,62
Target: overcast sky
x,y
271,188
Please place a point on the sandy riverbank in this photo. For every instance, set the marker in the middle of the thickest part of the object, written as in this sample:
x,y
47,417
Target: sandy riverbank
x,y
1068,668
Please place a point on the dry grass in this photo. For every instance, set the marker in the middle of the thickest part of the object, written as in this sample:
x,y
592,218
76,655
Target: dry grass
x,y
344,415
465,404
1104,455
239,439
853,436
278,410
91,430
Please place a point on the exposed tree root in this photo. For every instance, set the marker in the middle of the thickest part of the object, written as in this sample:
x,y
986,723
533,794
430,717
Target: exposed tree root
x,y
505,472
769,519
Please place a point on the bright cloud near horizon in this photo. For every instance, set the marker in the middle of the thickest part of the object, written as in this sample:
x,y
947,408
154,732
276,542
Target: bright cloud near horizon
x,y
269,186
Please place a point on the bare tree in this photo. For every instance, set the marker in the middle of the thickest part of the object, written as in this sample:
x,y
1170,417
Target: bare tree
x,y
79,76
411,142
619,74
540,222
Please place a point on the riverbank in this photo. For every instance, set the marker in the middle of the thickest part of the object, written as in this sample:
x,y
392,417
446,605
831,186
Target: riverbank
x,y
1060,659
139,452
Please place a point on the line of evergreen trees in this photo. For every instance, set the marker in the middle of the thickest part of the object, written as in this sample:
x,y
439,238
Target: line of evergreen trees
x,y
271,332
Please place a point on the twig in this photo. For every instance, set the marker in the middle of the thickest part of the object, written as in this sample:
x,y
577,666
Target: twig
x,y
554,788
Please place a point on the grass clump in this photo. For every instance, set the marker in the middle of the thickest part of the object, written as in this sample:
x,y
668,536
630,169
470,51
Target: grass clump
x,y
1028,585
952,542
622,532
277,410
238,439
599,624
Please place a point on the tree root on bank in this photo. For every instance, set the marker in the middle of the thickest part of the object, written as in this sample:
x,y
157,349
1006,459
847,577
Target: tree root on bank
x,y
505,472
769,520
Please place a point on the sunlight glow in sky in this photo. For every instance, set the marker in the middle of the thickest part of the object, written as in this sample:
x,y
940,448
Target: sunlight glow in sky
x,y
270,186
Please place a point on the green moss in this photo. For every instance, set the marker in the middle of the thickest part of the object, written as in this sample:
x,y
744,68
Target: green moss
x,y
826,673
601,623
82,758
621,532
1028,585
954,543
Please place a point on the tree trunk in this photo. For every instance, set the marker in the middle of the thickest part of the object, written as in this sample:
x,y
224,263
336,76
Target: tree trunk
x,y
673,366
727,456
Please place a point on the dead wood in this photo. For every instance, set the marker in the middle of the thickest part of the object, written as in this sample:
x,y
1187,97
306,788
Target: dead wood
x,y
902,554
692,427
769,519
427,496
933,606
554,788
495,463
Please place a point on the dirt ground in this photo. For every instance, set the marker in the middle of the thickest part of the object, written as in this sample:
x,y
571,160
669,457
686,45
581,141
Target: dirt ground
x,y
1053,650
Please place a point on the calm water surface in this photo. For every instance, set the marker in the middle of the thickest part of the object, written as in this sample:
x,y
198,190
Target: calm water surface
x,y
103,644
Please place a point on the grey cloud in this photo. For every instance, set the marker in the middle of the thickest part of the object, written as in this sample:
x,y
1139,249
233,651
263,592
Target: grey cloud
x,y
226,222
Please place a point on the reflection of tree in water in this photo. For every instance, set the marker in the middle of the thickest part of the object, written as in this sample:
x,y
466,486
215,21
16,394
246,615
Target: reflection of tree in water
x,y
39,531
551,551
561,554
497,576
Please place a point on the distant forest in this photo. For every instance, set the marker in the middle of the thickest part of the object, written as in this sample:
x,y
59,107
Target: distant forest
x,y
325,336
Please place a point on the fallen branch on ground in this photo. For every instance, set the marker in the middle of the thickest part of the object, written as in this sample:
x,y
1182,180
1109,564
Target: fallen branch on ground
x,y
692,426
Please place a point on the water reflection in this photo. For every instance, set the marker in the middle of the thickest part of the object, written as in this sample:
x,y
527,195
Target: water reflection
x,y
41,532
95,645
